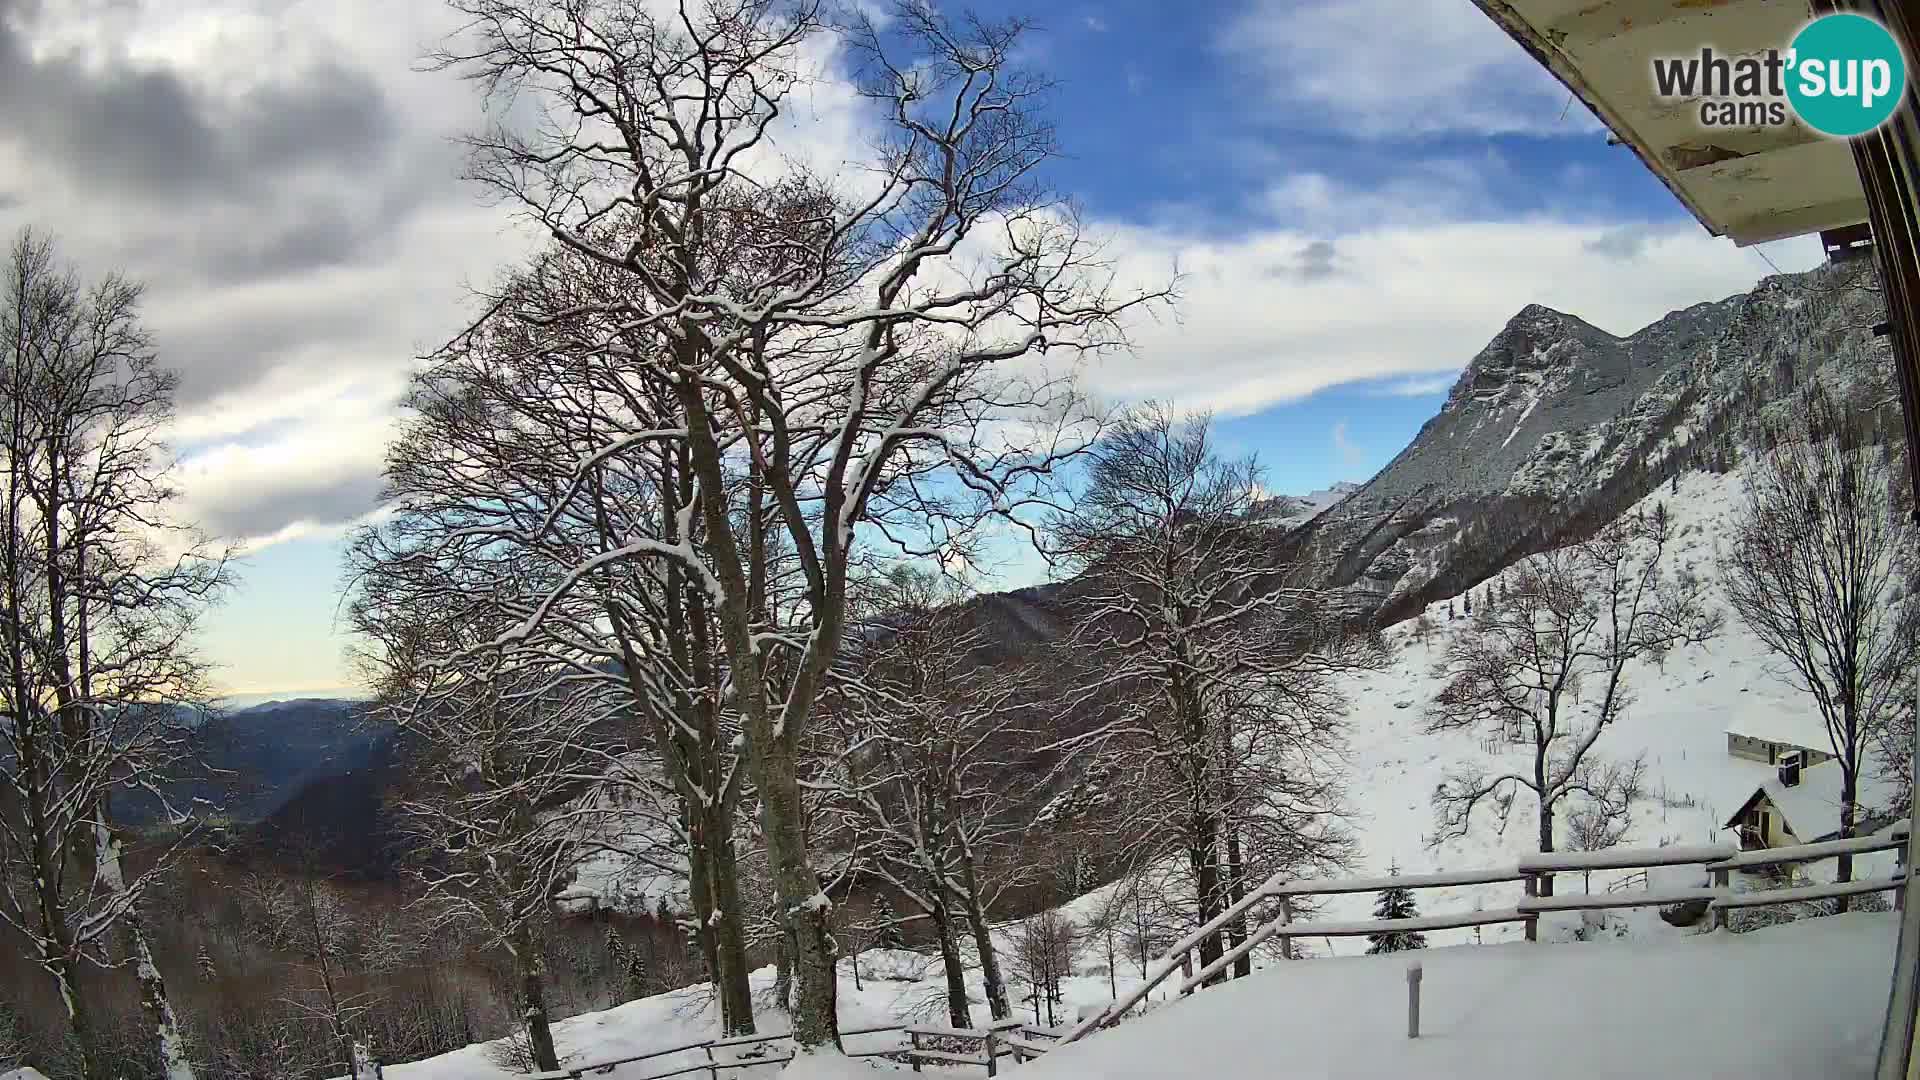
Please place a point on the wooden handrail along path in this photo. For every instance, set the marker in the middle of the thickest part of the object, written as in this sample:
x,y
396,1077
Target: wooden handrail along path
x,y
1720,860
1010,1038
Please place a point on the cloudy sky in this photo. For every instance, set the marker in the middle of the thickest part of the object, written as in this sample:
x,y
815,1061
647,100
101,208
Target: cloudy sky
x,y
1360,192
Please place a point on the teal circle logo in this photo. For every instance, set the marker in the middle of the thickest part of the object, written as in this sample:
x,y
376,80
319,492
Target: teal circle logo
x,y
1845,75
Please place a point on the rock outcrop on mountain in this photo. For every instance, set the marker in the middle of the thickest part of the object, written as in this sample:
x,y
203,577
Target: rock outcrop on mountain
x,y
1557,426
1293,510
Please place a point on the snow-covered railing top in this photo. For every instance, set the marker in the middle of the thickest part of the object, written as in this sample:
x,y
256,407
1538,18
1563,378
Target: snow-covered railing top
x,y
1885,840
1560,862
1012,1035
1719,859
1510,872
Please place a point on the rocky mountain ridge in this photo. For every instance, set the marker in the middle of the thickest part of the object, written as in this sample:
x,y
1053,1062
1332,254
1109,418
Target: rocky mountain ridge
x,y
1557,426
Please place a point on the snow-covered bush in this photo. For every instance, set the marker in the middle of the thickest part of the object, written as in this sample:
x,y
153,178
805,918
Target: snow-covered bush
x,y
1746,920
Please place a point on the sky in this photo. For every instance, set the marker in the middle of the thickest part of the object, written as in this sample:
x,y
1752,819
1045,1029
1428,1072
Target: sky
x,y
1357,193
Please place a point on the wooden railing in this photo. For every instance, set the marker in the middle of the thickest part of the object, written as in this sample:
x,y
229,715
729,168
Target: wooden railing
x,y
925,1044
1537,873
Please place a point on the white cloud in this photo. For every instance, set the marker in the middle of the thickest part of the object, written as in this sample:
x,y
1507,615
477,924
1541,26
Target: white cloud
x,y
316,475
1402,301
1398,68
1402,278
1416,386
1095,23
1424,191
292,361
1350,454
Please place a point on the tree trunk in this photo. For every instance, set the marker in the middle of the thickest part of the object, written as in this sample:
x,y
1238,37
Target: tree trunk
x,y
170,1043
1844,870
805,910
700,898
79,1020
994,984
1140,935
729,937
1236,892
1546,845
1205,863
1113,958
783,972
159,1011
959,1010
533,983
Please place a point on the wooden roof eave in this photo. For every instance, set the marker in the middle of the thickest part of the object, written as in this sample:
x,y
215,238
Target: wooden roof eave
x,y
1529,38
1751,185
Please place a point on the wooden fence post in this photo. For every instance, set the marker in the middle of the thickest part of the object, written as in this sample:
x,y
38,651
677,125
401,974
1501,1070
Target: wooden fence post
x,y
914,1055
1413,999
1900,875
1186,972
1286,919
993,1068
713,1069
1533,924
1721,882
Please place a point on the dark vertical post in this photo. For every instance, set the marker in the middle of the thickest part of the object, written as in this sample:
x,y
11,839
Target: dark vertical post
x,y
1721,879
1533,921
1414,973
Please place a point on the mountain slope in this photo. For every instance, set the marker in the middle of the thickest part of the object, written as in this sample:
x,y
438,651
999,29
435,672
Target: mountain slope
x,y
1556,426
1679,712
249,762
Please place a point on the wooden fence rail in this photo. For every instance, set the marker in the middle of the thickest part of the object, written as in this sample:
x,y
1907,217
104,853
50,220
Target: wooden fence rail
x,y
1537,873
1011,1037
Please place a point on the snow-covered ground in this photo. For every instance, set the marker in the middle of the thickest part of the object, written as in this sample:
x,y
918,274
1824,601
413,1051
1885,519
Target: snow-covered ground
x,y
1786,1003
1797,1001
896,987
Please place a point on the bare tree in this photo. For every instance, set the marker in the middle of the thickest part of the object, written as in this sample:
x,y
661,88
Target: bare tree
x,y
822,353
303,913
1576,615
1108,924
932,722
1819,570
1218,675
102,592
494,749
501,471
1043,956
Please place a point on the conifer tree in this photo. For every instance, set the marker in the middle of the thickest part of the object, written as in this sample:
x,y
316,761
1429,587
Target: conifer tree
x,y
887,928
639,978
1395,902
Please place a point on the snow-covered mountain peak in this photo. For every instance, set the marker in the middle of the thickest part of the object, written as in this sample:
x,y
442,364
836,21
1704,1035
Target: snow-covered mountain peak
x,y
1295,510
1557,425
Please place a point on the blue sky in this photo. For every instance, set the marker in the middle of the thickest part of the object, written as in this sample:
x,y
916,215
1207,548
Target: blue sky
x,y
1359,194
